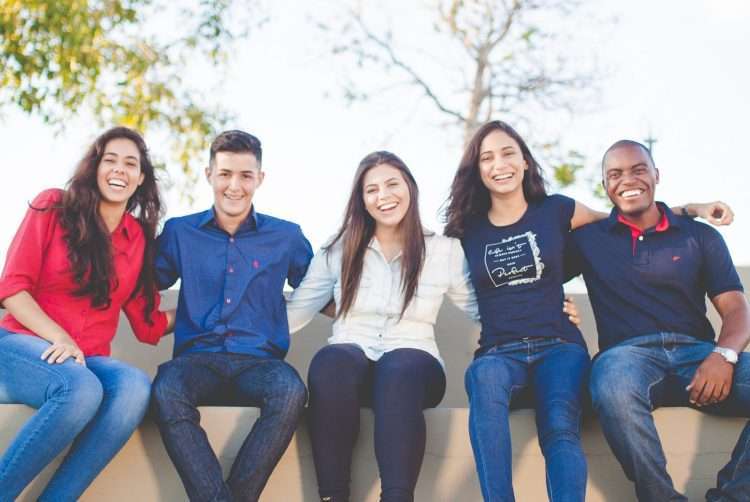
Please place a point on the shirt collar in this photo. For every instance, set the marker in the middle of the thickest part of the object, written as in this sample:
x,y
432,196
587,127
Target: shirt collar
x,y
128,227
250,223
668,219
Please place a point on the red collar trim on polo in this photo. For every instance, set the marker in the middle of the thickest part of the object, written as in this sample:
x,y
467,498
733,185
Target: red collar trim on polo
x,y
636,232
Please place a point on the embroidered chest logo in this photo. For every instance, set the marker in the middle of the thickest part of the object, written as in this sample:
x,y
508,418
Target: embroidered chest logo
x,y
256,264
515,260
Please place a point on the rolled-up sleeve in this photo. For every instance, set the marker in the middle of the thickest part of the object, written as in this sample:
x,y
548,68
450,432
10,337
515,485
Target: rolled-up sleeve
x,y
145,332
313,293
23,261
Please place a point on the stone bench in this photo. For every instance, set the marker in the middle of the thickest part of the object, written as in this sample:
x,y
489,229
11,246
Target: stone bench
x,y
697,445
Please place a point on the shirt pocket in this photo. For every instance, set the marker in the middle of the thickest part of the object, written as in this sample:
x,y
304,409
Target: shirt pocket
x,y
426,302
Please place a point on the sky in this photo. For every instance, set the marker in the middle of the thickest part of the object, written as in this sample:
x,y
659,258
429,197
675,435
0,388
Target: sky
x,y
672,69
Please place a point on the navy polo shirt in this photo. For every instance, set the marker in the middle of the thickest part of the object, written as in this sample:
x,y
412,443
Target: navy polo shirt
x,y
654,283
231,286
518,271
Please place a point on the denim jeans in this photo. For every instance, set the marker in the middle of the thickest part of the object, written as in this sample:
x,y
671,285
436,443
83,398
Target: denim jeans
x,y
638,375
548,373
210,378
397,387
96,408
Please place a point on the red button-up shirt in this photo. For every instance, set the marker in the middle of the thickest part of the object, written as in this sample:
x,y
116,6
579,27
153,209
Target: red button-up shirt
x,y
37,262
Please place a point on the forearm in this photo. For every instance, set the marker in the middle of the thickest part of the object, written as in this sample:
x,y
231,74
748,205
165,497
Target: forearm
x,y
171,316
28,312
735,329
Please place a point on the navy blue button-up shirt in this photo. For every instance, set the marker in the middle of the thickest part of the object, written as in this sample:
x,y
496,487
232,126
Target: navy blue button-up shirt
x,y
231,285
657,283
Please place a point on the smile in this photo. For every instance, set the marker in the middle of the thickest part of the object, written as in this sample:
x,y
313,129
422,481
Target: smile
x,y
629,194
503,177
117,183
388,206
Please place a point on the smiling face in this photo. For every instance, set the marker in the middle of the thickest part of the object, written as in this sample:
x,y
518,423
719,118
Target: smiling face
x,y
501,164
119,172
386,195
630,180
234,178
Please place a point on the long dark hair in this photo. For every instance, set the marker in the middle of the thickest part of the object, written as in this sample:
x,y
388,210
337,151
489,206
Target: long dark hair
x,y
469,198
358,228
87,236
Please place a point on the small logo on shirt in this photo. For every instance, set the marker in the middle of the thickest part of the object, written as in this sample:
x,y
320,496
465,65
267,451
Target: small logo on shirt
x,y
256,264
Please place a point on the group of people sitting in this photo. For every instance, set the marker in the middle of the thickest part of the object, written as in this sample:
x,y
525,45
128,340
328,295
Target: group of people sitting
x,y
83,254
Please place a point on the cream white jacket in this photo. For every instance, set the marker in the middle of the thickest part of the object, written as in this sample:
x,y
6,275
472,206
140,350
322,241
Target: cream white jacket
x,y
373,321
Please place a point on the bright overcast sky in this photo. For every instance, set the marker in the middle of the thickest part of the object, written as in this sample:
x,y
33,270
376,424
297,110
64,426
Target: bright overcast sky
x,y
675,70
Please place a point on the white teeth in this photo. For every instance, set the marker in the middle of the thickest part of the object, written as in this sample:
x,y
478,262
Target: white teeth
x,y
386,207
117,183
631,193
501,177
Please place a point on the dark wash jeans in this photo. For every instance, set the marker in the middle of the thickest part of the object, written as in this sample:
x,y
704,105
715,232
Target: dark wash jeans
x,y
208,378
397,387
549,374
638,375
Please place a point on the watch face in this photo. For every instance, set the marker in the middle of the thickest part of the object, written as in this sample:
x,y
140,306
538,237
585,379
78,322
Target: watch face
x,y
728,354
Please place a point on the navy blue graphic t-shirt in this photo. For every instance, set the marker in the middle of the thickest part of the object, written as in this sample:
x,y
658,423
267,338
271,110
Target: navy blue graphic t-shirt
x,y
518,272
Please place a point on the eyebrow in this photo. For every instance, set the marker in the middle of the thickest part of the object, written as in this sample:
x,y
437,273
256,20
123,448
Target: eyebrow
x,y
127,156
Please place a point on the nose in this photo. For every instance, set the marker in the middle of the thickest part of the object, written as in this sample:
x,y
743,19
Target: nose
x,y
119,168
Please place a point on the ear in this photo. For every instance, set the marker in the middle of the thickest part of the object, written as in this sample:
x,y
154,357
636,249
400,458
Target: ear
x,y
207,171
261,177
657,175
141,178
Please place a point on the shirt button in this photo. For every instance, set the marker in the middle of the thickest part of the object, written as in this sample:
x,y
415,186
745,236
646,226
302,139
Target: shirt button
x,y
229,333
231,239
380,335
229,300
640,237
231,270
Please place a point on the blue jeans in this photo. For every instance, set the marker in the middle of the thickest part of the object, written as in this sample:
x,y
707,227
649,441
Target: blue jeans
x,y
638,375
548,373
210,378
96,408
397,387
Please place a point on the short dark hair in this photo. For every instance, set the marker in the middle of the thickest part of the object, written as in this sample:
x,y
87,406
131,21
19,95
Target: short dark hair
x,y
235,141
627,142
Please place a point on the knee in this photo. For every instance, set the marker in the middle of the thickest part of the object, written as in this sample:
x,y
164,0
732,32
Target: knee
x,y
168,396
79,392
615,383
289,393
488,379
332,366
133,393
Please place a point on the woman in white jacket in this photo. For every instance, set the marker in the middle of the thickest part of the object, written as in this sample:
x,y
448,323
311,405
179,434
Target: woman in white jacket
x,y
387,276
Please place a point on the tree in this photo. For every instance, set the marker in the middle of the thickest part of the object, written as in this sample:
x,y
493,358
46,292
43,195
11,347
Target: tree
x,y
486,59
112,60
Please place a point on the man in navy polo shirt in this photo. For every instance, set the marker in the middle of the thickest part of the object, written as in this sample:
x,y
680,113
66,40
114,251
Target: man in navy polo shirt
x,y
231,331
648,271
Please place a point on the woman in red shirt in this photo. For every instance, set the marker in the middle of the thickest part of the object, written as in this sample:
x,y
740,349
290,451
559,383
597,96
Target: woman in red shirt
x,y
79,257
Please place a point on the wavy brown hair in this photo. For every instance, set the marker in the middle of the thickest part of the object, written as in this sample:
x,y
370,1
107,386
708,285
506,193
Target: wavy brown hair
x,y
87,236
358,228
469,198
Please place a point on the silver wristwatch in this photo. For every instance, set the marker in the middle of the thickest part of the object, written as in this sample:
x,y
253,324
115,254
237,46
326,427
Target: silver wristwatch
x,y
728,354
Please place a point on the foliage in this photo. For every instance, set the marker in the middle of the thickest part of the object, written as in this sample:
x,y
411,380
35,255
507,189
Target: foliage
x,y
113,60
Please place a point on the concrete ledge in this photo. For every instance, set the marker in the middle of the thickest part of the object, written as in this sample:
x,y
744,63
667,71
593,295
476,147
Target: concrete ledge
x,y
697,446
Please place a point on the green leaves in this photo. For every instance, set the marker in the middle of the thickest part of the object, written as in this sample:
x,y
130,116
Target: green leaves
x,y
112,59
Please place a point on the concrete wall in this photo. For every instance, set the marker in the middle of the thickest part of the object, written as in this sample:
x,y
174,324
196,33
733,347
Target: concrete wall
x,y
697,445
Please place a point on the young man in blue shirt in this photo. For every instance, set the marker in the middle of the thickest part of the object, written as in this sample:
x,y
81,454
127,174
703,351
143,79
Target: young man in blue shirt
x,y
231,331
648,272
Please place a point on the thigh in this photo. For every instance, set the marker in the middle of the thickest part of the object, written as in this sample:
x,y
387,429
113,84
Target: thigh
x,y
561,374
410,375
27,379
499,374
258,381
626,372
119,378
193,378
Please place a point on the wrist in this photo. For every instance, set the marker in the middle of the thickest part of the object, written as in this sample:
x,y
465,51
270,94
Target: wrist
x,y
689,211
728,354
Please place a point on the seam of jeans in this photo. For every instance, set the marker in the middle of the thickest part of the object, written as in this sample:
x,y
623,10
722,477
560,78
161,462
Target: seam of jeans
x,y
67,389
648,392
